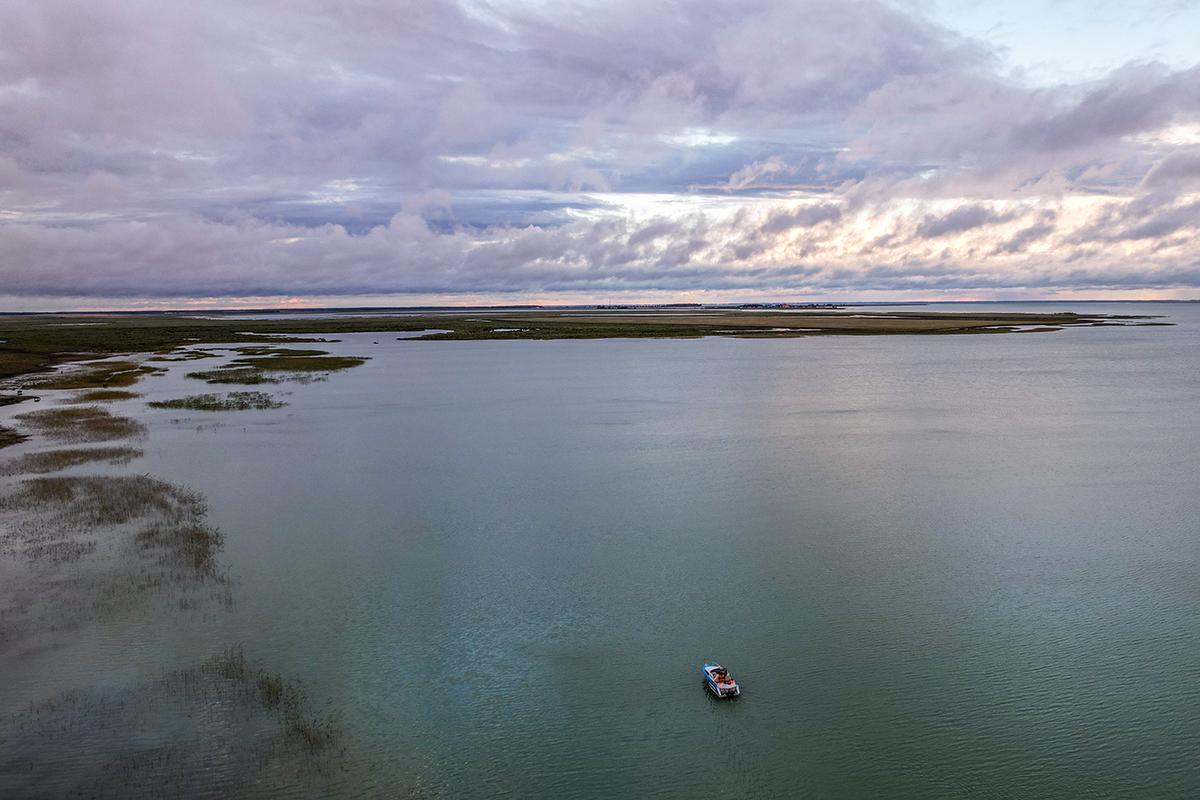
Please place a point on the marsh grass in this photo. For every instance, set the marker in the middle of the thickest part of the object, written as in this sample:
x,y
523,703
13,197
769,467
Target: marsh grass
x,y
103,375
279,351
262,689
192,545
232,401
9,437
92,500
88,424
280,363
34,343
246,376
55,460
103,396
155,542
184,355
224,727
240,374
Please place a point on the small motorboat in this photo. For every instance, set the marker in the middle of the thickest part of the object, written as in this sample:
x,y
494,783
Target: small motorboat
x,y
720,681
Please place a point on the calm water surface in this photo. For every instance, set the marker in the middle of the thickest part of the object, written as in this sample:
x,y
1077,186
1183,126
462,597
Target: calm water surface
x,y
940,566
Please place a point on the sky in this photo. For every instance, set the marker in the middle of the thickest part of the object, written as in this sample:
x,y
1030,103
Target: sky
x,y
247,153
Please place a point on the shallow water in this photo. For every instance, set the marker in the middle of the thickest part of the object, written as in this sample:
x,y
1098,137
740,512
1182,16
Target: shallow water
x,y
941,566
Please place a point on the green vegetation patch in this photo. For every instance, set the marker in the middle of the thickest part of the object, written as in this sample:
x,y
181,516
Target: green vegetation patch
x,y
302,363
55,460
232,401
87,424
103,396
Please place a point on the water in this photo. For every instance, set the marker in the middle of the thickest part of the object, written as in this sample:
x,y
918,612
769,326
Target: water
x,y
939,566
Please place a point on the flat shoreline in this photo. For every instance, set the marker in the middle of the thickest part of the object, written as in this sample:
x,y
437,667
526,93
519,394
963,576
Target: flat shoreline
x,y
38,342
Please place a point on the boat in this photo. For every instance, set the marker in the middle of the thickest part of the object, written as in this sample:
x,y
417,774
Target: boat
x,y
720,681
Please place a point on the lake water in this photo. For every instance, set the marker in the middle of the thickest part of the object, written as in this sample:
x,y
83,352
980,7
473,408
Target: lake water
x,y
942,566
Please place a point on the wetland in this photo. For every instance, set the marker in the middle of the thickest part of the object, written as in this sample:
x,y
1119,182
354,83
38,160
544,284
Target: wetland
x,y
945,564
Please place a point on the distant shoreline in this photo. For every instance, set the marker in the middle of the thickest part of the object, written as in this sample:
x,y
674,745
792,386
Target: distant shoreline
x,y
569,307
38,342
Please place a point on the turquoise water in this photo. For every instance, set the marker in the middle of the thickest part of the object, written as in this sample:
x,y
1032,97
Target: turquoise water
x,y
939,566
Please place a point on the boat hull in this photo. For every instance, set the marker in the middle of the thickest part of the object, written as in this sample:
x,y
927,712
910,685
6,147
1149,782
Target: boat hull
x,y
723,690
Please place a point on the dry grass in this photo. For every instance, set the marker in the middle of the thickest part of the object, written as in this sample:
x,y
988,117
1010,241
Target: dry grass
x,y
55,460
233,401
89,424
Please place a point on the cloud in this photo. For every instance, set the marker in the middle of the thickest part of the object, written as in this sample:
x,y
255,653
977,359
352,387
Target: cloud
x,y
752,173
963,218
254,149
1178,168
805,216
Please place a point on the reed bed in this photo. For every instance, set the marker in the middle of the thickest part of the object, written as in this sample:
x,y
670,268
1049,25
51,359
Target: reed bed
x,y
183,355
156,542
87,424
294,352
284,363
245,376
103,375
55,460
232,401
103,396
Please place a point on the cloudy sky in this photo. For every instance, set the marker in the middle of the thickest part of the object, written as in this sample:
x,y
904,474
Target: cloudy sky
x,y
242,152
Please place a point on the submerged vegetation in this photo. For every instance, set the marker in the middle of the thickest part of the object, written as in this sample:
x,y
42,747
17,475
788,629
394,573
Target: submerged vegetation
x,y
55,460
232,401
9,436
98,743
88,424
157,542
80,549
